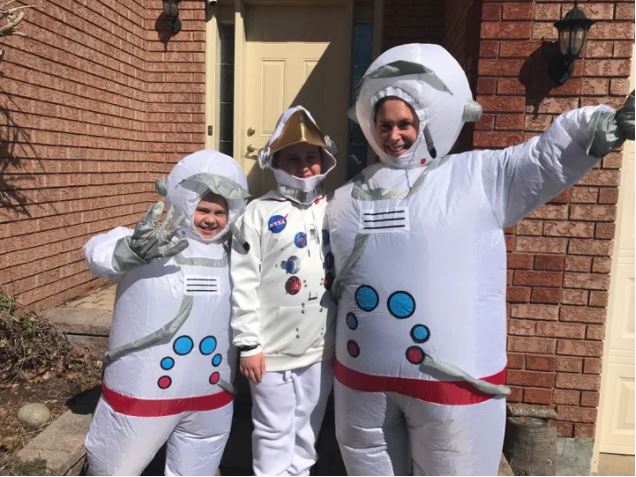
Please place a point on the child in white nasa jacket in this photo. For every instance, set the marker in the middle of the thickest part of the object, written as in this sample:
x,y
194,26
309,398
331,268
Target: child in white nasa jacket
x,y
282,321
167,369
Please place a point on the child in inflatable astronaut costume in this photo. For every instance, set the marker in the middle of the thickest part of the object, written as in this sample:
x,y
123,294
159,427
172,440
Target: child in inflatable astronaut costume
x,y
421,266
168,367
282,325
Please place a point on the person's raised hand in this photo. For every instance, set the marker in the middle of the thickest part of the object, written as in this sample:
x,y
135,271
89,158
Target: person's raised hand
x,y
152,238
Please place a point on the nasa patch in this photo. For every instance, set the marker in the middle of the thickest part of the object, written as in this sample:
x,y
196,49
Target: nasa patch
x,y
276,223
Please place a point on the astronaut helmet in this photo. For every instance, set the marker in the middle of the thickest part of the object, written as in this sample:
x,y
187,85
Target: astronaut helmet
x,y
435,88
296,125
194,177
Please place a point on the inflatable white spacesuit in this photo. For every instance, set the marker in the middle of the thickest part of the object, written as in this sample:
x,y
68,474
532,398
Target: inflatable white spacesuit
x,y
421,271
168,371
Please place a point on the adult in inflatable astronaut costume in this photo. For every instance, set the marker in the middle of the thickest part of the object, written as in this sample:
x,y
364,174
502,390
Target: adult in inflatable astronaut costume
x,y
167,368
421,268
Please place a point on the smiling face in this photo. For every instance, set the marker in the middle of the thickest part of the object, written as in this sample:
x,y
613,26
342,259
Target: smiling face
x,y
396,126
300,160
210,215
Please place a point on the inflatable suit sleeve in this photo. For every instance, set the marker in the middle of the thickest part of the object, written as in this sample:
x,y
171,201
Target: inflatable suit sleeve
x,y
519,179
99,252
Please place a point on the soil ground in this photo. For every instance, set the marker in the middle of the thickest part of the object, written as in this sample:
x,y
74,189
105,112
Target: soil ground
x,y
56,391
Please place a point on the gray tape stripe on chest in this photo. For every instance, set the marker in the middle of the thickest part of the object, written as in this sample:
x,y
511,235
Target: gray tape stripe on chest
x,y
359,244
162,335
202,261
455,372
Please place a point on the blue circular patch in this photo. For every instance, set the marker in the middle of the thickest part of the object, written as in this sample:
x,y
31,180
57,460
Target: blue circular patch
x,y
207,345
420,333
291,265
300,240
183,345
366,297
216,359
401,304
352,321
167,363
276,223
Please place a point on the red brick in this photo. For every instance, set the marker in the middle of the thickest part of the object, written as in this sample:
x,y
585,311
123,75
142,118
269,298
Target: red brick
x,y
541,362
485,123
488,49
584,430
601,177
605,231
582,314
549,262
579,348
612,160
517,11
541,244
521,327
592,366
564,429
486,86
512,122
574,296
590,247
594,281
519,261
538,278
543,11
515,361
569,229
550,212
491,12
569,364
533,311
576,414
496,139
562,198
530,378
598,11
530,227
611,31
619,87
593,212
567,396
623,49
561,330
501,103
537,396
533,345
598,49
598,298
554,105
590,398
583,382
518,294
578,264
601,264
595,86
595,332
518,49
546,295
496,30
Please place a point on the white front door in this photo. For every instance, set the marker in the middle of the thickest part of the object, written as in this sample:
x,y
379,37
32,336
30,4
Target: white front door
x,y
287,54
616,412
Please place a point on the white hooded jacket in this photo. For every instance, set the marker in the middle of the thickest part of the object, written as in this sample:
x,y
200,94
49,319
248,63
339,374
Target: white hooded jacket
x,y
281,266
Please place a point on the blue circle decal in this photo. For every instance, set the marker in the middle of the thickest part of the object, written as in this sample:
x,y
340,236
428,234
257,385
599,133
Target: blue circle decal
x,y
352,321
207,345
167,363
216,359
401,304
300,240
366,297
276,223
420,333
183,345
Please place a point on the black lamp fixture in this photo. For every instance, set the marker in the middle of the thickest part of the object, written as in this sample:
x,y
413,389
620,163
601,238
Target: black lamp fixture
x,y
573,30
171,9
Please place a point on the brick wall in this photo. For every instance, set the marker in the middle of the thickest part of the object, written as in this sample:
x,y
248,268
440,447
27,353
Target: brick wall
x,y
94,105
559,257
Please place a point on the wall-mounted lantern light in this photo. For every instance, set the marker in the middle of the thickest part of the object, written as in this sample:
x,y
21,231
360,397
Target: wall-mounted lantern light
x,y
573,30
171,9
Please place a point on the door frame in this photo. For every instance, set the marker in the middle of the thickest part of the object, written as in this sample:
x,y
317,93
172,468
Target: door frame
x,y
229,11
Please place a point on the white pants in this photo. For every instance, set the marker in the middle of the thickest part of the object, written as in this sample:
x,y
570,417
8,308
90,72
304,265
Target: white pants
x,y
387,433
118,444
287,411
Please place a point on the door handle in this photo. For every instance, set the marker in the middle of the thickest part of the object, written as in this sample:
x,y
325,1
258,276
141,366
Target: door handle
x,y
251,148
